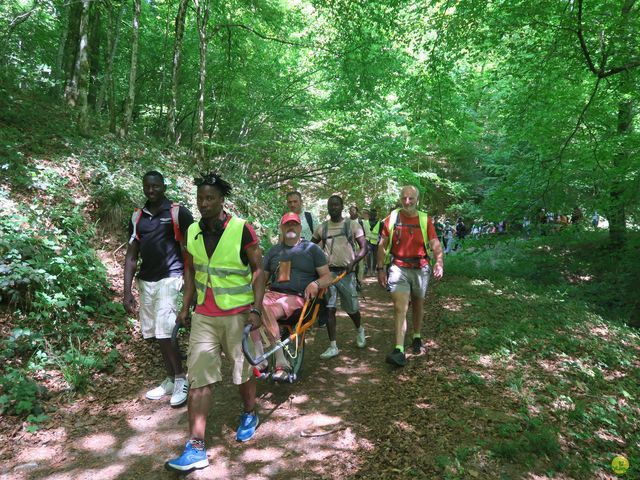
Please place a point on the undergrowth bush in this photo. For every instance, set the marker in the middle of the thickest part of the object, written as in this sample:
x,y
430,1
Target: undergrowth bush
x,y
56,289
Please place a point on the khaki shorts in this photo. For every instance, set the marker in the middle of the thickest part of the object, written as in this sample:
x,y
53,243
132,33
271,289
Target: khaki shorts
x,y
158,305
414,281
346,290
210,337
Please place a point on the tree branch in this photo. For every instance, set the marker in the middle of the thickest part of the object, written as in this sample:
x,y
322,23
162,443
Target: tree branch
x,y
267,37
23,17
601,72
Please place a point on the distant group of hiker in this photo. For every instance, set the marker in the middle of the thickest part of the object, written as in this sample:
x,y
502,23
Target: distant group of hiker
x,y
218,264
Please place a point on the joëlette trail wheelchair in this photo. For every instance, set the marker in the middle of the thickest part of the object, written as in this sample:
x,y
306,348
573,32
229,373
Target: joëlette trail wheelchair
x,y
292,338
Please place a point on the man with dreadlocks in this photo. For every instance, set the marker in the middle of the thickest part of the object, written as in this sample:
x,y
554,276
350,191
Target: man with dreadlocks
x,y
223,270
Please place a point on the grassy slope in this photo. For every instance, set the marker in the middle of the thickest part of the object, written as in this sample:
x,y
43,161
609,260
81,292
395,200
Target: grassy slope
x,y
531,370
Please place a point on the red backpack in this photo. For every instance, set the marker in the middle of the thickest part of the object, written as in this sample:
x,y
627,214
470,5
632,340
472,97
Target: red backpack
x,y
175,210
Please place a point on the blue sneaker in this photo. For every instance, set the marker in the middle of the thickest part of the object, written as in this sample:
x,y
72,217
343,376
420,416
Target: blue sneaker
x,y
190,459
248,425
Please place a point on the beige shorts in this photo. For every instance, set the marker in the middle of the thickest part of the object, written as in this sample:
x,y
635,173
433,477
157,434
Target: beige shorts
x,y
158,306
209,338
414,281
276,306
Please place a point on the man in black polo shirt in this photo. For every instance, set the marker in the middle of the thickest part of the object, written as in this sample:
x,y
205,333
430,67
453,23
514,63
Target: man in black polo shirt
x,y
155,234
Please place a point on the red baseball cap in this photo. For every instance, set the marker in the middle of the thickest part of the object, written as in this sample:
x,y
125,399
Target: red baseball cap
x,y
290,217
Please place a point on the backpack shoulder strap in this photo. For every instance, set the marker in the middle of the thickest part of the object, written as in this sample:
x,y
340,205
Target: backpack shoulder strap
x,y
135,218
348,233
175,219
309,218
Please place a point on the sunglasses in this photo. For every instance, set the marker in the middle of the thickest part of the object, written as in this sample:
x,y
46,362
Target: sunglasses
x,y
205,180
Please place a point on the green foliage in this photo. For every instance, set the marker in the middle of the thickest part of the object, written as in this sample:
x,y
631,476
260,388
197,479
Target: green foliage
x,y
552,348
19,393
77,365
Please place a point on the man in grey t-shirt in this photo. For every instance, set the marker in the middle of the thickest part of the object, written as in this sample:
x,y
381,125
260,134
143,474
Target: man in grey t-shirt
x,y
297,269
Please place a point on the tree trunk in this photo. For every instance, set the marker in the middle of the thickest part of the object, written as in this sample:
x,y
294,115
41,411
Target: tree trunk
x,y
72,41
202,11
59,73
113,114
616,214
177,51
77,90
94,53
131,97
113,37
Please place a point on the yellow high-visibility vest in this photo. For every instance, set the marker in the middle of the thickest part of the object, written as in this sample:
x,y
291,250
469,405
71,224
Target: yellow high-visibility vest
x,y
224,272
372,236
393,219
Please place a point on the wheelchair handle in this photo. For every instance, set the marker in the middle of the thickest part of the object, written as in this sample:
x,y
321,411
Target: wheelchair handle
x,y
246,348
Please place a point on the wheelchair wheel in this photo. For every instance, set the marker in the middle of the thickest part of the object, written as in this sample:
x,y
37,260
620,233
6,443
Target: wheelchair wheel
x,y
294,358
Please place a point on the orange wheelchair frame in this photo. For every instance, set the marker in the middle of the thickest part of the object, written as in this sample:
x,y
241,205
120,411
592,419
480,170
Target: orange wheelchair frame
x,y
293,332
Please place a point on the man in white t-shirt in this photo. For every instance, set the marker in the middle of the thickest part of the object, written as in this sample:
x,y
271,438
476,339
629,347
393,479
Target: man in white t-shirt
x,y
308,221
338,238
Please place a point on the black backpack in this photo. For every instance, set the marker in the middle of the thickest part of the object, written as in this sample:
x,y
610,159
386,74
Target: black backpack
x,y
309,218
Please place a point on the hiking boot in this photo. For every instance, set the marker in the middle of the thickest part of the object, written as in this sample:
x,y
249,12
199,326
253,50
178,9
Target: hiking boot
x,y
248,424
190,459
396,358
361,341
180,392
329,353
416,346
165,388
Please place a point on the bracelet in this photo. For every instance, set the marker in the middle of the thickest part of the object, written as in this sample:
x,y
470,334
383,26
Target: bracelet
x,y
256,311
317,283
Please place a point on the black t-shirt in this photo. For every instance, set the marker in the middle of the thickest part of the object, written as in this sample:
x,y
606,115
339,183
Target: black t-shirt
x,y
160,253
293,268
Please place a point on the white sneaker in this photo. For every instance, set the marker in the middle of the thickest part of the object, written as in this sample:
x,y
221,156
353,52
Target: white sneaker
x,y
165,388
180,392
330,353
361,341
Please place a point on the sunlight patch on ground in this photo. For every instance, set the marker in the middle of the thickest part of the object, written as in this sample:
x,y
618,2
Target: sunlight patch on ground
x,y
107,473
299,399
97,442
452,306
361,369
154,420
261,454
157,442
563,403
607,436
404,426
38,454
485,361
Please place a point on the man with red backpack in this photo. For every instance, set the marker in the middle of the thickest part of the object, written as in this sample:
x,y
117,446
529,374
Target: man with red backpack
x,y
407,236
156,234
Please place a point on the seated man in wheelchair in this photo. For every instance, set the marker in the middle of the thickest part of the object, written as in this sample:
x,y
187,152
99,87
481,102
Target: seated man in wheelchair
x,y
297,269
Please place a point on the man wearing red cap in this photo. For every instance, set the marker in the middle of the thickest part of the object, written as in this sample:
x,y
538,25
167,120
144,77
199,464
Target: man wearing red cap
x,y
297,269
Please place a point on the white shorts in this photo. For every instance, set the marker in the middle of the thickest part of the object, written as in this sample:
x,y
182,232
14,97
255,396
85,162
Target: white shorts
x,y
158,306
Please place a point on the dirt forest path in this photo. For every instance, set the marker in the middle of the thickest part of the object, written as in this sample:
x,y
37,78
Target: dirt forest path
x,y
366,419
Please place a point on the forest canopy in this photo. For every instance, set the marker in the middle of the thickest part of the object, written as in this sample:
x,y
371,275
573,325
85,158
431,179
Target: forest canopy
x,y
496,109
